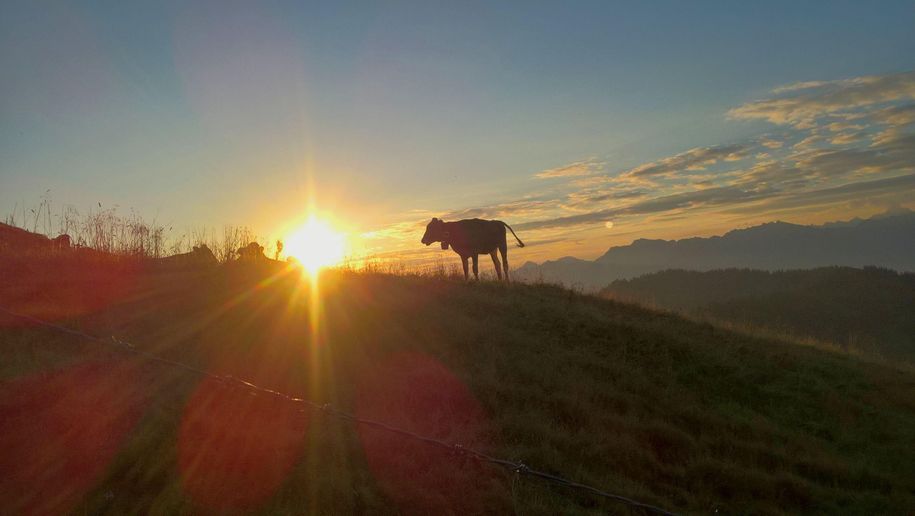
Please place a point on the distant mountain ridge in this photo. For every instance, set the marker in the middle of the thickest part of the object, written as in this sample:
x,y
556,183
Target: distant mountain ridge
x,y
886,241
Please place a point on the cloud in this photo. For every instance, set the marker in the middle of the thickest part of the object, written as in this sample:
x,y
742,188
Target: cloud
x,y
571,220
895,153
774,174
799,86
591,197
896,115
770,143
808,142
800,103
395,231
522,208
888,136
847,138
693,159
903,143
708,197
896,183
836,127
900,186
577,169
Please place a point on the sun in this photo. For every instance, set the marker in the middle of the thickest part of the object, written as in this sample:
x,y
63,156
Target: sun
x,y
315,244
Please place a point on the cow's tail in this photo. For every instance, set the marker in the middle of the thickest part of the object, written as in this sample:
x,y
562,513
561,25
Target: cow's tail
x,y
520,243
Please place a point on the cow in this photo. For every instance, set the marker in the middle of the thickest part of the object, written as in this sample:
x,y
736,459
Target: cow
x,y
252,253
18,240
470,238
200,257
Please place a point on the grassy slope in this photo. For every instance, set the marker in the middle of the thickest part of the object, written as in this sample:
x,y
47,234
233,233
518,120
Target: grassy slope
x,y
644,404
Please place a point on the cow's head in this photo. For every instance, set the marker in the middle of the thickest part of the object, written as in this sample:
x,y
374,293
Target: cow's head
x,y
435,232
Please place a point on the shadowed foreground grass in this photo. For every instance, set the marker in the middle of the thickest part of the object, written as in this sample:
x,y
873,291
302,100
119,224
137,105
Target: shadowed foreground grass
x,y
647,405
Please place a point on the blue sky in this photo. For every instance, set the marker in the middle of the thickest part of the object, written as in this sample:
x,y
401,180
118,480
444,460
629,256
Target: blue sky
x,y
385,115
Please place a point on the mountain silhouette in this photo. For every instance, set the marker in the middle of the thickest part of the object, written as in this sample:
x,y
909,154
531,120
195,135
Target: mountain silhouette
x,y
886,240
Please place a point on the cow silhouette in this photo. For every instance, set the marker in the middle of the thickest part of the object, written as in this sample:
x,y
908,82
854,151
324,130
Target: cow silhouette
x,y
470,238
252,253
199,258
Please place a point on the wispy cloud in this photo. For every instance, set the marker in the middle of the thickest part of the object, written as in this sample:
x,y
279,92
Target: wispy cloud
x,y
708,197
801,103
847,138
896,115
585,198
522,208
577,169
770,143
896,186
693,159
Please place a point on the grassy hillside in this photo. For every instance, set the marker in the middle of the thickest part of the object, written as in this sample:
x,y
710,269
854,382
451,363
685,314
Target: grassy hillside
x,y
869,309
648,405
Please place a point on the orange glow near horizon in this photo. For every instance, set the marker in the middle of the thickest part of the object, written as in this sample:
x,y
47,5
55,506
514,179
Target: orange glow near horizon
x,y
316,244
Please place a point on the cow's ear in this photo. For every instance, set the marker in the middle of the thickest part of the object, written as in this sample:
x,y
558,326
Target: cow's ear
x,y
434,219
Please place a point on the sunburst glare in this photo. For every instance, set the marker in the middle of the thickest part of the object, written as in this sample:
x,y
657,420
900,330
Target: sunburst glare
x,y
316,244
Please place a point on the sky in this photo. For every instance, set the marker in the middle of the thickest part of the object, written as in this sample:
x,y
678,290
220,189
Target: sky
x,y
584,125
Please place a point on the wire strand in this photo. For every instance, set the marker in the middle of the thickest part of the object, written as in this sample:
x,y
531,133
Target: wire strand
x,y
516,467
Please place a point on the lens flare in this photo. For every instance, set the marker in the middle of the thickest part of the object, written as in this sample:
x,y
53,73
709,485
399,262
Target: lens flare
x,y
316,244
416,392
61,431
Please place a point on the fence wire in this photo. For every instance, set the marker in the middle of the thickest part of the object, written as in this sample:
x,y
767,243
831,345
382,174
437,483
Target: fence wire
x,y
325,408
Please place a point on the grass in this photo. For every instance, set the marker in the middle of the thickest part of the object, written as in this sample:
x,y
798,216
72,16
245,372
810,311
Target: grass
x,y
678,413
107,230
867,311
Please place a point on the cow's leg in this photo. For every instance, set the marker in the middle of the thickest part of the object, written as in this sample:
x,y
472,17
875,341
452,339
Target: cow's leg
x,y
476,266
503,248
464,263
495,261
